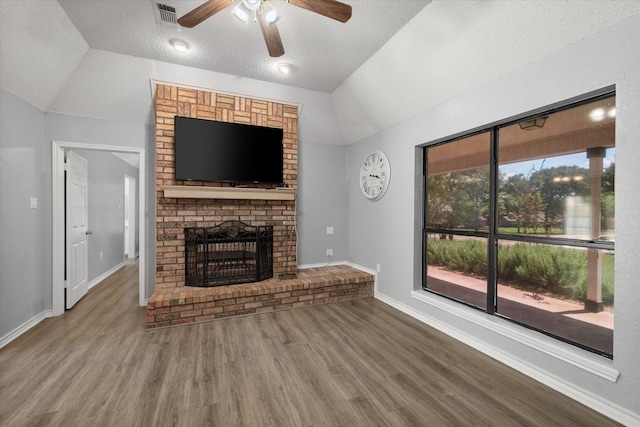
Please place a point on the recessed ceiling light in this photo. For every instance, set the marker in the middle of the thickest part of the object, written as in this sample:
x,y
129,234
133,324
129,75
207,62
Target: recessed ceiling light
x,y
179,45
284,68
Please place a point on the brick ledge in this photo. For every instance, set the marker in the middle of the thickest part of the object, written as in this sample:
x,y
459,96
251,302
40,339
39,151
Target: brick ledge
x,y
180,305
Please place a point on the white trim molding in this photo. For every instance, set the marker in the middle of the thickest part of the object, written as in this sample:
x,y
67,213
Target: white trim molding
x,y
567,353
591,363
57,213
24,327
106,274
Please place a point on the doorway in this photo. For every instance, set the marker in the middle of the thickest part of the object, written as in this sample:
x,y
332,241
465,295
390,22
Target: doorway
x,y
58,216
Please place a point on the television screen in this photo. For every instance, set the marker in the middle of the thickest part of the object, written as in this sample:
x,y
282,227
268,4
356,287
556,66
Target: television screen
x,y
207,150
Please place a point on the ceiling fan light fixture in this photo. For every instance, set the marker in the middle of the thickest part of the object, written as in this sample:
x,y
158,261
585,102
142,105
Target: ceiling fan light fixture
x,y
242,12
271,15
252,4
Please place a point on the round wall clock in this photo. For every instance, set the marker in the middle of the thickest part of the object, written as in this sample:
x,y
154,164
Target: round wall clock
x,y
374,175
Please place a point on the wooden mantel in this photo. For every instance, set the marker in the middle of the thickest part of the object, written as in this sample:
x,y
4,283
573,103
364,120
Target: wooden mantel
x,y
229,193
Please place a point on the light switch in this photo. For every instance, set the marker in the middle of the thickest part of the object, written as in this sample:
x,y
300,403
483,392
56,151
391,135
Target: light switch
x,y
329,230
34,203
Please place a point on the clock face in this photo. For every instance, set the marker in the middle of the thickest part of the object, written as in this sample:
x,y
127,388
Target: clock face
x,y
374,175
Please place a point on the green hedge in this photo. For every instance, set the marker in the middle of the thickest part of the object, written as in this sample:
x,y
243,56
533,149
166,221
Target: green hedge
x,y
537,268
468,256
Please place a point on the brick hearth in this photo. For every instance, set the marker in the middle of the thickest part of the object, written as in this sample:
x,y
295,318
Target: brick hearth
x,y
181,305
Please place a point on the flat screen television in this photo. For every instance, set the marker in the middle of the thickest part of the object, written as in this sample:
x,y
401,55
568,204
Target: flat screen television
x,y
207,150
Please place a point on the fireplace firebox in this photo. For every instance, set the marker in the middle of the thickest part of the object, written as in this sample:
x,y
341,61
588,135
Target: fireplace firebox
x,y
229,253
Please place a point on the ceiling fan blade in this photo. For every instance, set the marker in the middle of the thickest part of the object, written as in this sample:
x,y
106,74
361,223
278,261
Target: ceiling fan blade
x,y
271,37
329,8
202,12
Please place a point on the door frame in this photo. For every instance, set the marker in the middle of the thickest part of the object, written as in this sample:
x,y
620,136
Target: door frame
x,y
57,214
127,202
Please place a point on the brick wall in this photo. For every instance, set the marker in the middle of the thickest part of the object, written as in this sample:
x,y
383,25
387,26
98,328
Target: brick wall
x,y
173,215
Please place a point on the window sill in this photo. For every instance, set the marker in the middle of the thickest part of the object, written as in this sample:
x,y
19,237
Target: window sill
x,y
567,353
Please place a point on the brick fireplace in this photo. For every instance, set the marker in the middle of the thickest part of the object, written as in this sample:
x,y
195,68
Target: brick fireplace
x,y
174,214
180,205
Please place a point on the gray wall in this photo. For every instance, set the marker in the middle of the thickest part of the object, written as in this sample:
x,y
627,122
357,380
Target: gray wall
x,y
106,209
25,258
611,57
322,203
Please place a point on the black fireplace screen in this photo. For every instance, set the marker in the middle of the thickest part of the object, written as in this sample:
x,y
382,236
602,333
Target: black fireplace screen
x,y
229,253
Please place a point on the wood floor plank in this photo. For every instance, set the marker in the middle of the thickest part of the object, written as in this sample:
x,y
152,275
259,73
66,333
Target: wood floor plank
x,y
353,363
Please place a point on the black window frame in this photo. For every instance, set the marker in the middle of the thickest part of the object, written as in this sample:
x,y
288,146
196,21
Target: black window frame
x,y
493,236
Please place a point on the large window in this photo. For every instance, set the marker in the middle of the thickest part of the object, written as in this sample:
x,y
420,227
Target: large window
x,y
519,222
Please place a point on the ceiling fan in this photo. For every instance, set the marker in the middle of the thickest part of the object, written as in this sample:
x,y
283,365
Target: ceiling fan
x,y
264,12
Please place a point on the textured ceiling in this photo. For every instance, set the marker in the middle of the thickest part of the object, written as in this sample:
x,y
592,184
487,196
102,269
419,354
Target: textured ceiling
x,y
24,54
323,52
391,61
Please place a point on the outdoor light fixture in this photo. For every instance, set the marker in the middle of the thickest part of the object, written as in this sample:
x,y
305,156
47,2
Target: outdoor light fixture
x,y
599,114
575,178
179,45
536,123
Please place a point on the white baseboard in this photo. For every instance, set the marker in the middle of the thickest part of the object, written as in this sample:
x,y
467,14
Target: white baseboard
x,y
334,263
104,275
25,327
587,398
321,264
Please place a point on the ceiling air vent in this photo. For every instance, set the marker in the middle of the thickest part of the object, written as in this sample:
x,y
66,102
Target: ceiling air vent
x,y
166,15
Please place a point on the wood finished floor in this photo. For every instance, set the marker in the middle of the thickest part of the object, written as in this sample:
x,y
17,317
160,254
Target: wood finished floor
x,y
354,363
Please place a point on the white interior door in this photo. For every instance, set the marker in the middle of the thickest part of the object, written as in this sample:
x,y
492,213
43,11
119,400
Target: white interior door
x,y
77,283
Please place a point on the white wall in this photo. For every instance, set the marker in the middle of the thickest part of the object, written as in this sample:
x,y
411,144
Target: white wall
x,y
610,57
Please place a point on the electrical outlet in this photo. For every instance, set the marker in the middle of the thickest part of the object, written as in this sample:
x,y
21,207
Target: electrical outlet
x,y
329,252
378,267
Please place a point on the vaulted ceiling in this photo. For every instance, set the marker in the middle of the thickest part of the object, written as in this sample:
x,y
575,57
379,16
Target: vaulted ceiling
x,y
392,60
